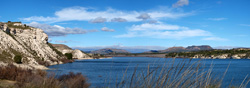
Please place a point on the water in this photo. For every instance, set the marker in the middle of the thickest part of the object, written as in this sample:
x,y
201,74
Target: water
x,y
103,72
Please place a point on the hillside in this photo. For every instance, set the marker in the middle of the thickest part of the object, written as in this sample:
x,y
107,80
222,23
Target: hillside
x,y
77,54
60,46
109,51
26,47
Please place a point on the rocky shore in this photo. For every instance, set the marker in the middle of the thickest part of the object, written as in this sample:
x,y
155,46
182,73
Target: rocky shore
x,y
237,53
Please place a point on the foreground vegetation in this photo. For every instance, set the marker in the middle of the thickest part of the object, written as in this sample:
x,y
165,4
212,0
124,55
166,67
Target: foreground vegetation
x,y
183,74
15,77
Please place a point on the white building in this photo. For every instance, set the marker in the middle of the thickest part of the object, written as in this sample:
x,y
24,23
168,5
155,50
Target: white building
x,y
17,24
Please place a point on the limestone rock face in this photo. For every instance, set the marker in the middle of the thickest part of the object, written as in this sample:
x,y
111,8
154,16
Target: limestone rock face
x,y
238,56
223,56
78,54
31,43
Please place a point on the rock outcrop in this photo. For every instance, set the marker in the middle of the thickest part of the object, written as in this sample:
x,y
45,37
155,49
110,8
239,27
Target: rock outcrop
x,y
28,42
77,54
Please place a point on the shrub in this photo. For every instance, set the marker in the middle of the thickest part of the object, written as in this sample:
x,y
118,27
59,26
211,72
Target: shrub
x,y
18,59
26,78
73,80
69,55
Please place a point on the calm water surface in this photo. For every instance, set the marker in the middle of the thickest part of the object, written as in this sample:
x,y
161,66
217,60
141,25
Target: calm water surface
x,y
103,72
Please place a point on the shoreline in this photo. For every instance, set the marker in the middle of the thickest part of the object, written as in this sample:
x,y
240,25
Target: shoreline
x,y
181,57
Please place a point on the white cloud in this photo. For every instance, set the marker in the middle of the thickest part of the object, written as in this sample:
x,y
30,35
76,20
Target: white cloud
x,y
98,20
152,21
163,31
217,19
148,26
87,14
144,16
118,20
180,3
57,30
215,39
107,29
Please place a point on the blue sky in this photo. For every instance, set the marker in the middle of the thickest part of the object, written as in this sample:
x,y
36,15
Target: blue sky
x,y
150,24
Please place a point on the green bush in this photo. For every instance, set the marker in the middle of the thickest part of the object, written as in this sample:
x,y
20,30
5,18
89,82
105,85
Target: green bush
x,y
18,59
69,55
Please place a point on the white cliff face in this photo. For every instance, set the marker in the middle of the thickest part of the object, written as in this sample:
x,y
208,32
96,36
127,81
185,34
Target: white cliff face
x,y
238,56
30,43
77,54
222,56
80,55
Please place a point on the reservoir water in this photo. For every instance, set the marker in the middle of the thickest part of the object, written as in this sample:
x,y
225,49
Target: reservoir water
x,y
106,72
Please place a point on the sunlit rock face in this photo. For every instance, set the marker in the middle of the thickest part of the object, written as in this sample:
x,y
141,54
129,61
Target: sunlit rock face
x,y
29,42
77,54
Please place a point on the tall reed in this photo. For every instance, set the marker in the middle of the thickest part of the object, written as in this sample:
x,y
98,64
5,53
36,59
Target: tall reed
x,y
172,74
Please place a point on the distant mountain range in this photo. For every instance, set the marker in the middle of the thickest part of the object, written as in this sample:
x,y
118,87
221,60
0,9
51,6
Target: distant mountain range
x,y
109,51
129,50
182,49
171,49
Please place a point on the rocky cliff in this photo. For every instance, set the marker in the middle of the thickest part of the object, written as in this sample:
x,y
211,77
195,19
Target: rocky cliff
x,y
29,43
77,54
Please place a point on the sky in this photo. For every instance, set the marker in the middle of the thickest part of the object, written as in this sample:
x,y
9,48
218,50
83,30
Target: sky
x,y
135,24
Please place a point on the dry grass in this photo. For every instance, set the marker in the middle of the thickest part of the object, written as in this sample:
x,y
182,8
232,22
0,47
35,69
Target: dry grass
x,y
25,78
72,80
185,74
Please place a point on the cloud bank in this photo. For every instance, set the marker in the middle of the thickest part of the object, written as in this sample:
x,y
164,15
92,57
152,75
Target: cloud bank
x,y
109,15
57,30
163,31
